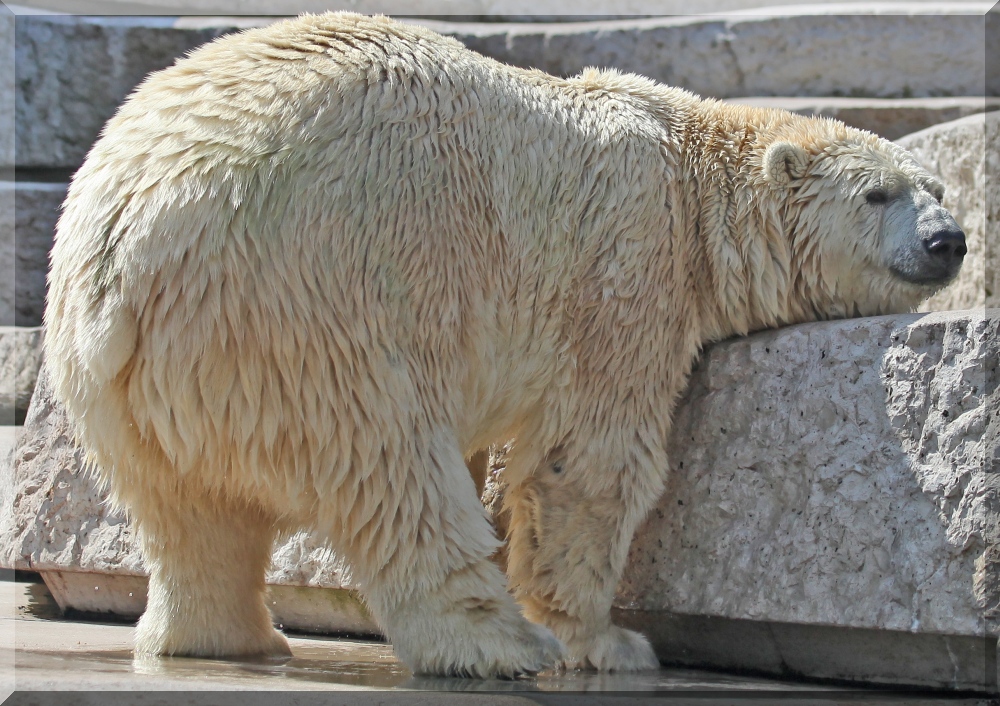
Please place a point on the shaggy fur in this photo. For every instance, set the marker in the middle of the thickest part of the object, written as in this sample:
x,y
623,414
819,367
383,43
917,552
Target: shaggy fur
x,y
310,268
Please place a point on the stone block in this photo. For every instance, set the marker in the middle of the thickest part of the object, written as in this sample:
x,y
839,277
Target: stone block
x,y
20,359
28,215
6,90
833,475
843,50
957,152
72,72
892,118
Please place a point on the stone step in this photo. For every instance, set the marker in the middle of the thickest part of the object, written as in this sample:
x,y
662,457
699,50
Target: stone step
x,y
72,72
829,499
25,241
309,609
471,10
892,118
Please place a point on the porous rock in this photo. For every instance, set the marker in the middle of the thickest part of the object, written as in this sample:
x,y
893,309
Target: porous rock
x,y
833,474
28,215
847,50
891,118
20,358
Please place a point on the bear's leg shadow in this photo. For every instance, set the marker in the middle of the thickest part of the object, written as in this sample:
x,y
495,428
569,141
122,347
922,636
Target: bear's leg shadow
x,y
207,555
425,567
568,543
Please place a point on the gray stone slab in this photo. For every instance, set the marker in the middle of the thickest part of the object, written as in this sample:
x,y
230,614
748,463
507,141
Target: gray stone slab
x,y
790,650
28,215
482,10
798,51
308,609
832,474
6,90
72,72
892,118
958,152
20,358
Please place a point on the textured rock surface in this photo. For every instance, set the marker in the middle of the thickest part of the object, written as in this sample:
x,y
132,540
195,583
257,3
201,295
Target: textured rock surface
x,y
957,152
891,118
802,51
61,519
6,90
20,358
488,10
72,72
833,474
28,215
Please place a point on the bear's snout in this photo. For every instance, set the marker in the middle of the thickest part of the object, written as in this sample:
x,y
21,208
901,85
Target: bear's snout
x,y
944,249
935,256
947,246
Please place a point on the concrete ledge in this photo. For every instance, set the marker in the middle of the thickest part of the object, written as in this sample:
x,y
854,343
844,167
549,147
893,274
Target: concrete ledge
x,y
796,651
832,475
325,611
892,118
845,49
26,236
72,72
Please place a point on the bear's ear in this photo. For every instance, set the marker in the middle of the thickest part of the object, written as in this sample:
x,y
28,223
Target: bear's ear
x,y
784,161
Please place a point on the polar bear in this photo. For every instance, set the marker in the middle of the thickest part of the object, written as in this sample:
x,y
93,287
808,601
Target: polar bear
x,y
310,268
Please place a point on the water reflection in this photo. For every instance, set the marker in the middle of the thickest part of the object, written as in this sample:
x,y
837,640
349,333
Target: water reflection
x,y
358,664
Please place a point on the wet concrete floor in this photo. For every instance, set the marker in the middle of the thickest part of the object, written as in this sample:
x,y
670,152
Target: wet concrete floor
x,y
94,662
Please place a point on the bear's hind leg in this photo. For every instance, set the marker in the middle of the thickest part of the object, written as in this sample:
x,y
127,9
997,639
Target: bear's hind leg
x,y
207,556
425,564
567,548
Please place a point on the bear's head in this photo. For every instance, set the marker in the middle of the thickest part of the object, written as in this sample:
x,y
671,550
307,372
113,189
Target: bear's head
x,y
867,230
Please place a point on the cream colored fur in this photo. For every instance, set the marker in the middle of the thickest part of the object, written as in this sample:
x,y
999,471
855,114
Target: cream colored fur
x,y
310,268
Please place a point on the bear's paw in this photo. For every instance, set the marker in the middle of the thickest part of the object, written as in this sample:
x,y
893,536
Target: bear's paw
x,y
616,650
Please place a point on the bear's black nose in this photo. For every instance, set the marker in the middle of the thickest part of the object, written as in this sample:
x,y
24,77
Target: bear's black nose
x,y
947,244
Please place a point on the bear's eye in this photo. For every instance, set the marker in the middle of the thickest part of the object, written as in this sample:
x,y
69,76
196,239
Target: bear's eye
x,y
877,197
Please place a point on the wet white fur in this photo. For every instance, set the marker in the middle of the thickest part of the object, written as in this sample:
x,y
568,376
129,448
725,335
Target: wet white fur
x,y
310,268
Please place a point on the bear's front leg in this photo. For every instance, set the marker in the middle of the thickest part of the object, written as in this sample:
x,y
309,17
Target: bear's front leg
x,y
569,537
425,566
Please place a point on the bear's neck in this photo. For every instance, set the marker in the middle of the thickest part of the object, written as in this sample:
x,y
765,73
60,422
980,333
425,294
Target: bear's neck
x,y
740,224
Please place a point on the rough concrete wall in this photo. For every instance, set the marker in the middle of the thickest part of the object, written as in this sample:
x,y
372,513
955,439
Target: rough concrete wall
x,y
832,474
